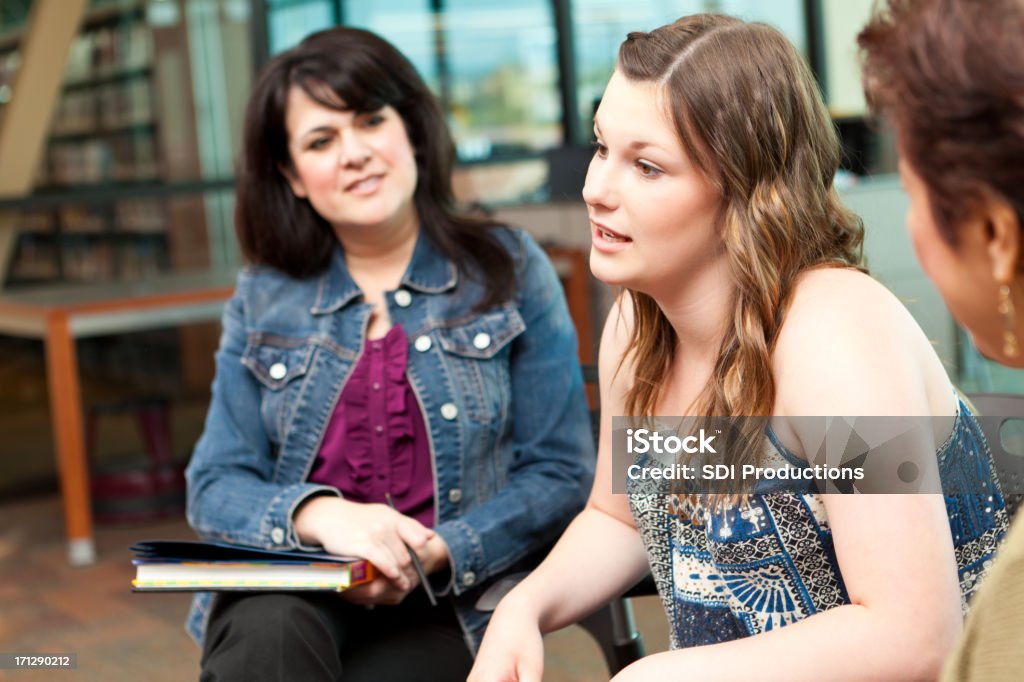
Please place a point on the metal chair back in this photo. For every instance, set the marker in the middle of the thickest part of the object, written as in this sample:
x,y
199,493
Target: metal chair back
x,y
1001,416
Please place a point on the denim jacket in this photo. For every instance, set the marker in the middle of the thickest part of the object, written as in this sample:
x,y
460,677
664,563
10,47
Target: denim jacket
x,y
500,392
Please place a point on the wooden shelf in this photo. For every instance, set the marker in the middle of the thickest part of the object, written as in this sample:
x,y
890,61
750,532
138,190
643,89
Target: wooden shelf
x,y
114,234
136,128
103,140
110,78
110,14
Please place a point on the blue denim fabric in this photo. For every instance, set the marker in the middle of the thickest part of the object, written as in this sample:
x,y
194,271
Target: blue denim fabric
x,y
501,394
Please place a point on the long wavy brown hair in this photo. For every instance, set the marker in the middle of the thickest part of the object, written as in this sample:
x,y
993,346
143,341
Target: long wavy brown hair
x,y
750,115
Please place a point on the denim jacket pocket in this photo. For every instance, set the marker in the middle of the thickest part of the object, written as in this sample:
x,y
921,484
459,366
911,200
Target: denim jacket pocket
x,y
278,363
477,354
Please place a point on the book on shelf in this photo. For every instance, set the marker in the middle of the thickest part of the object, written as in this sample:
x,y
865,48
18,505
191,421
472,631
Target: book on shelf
x,y
195,566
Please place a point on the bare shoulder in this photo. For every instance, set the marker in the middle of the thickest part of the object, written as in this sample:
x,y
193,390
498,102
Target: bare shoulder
x,y
844,294
849,346
847,308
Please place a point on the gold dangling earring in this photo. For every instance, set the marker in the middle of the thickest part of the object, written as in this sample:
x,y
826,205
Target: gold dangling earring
x,y
1011,346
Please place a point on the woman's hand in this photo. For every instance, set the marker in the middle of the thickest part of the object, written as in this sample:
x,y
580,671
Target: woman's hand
x,y
382,590
512,650
374,532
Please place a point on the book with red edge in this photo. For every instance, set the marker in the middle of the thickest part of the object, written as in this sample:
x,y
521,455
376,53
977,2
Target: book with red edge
x,y
209,566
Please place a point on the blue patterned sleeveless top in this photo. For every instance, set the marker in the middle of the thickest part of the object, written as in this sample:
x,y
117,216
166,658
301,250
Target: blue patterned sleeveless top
x,y
726,574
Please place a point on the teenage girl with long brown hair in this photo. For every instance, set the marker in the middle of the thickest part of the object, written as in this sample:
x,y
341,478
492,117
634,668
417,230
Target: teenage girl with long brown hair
x,y
711,202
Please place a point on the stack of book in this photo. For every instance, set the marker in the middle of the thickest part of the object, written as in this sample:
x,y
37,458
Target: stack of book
x,y
184,566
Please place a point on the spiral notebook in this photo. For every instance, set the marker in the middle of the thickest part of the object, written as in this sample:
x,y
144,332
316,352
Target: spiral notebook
x,y
196,566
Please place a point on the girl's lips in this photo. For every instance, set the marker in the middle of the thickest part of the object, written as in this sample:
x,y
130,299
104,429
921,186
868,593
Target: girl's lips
x,y
607,230
608,241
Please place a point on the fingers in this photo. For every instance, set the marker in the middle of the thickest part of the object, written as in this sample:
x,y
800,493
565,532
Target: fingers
x,y
525,675
407,534
379,534
512,651
389,532
398,556
394,569
413,533
359,594
378,591
514,673
388,559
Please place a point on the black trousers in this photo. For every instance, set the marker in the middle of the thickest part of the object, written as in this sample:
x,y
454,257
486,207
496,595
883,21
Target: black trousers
x,y
313,636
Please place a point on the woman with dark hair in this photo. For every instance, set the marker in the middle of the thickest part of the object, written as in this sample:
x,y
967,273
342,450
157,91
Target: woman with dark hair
x,y
949,74
711,201
380,345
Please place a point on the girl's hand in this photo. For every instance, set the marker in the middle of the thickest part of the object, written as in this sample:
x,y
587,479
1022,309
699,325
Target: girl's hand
x,y
512,650
374,532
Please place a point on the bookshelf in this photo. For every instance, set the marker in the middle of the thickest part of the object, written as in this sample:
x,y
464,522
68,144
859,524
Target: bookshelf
x,y
104,134
115,184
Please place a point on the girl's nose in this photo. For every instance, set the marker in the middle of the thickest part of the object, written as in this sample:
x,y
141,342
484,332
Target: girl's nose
x,y
599,189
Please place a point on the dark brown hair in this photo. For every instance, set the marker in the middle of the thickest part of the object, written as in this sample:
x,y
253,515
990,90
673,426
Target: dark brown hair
x,y
950,75
749,114
277,229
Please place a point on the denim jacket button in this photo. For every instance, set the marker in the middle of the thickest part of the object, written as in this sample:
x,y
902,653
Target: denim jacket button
x,y
481,340
422,344
449,411
403,298
468,578
454,495
277,535
278,371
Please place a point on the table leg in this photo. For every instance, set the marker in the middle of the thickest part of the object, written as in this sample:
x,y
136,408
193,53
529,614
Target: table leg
x,y
68,436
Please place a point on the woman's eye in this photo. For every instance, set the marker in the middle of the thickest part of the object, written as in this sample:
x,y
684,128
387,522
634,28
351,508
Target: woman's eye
x,y
647,170
600,150
319,143
374,120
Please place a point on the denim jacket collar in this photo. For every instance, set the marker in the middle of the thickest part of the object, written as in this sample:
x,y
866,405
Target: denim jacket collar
x,y
337,288
429,271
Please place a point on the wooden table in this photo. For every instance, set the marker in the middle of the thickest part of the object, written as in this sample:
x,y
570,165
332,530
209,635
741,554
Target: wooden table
x,y
60,315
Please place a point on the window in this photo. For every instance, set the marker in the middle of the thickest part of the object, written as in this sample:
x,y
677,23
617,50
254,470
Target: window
x,y
504,77
493,65
289,21
600,26
407,24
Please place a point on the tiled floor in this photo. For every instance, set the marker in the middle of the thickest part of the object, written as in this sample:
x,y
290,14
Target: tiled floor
x,y
48,607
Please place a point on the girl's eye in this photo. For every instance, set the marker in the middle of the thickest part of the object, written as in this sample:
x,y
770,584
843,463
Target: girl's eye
x,y
374,120
647,170
600,150
319,143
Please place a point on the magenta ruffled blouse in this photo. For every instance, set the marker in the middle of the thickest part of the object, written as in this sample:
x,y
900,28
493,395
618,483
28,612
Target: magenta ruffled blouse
x,y
376,441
